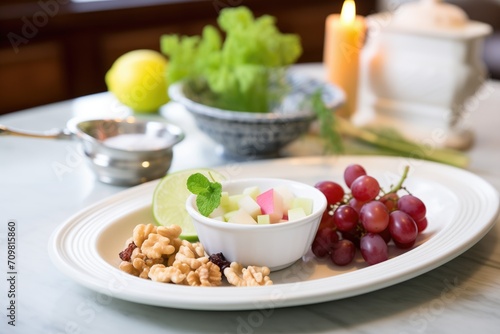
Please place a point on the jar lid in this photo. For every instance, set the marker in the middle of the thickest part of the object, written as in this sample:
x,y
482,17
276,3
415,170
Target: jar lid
x,y
432,18
430,14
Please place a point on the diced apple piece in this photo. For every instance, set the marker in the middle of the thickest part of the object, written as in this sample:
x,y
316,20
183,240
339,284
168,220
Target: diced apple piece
x,y
304,203
263,220
296,214
248,204
219,211
224,200
219,218
287,196
271,203
252,192
241,217
233,202
228,215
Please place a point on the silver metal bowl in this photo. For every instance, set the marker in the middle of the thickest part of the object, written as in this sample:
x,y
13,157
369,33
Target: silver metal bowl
x,y
259,135
123,152
131,162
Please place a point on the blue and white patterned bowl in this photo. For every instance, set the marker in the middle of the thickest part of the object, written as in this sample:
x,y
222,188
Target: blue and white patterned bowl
x,y
259,135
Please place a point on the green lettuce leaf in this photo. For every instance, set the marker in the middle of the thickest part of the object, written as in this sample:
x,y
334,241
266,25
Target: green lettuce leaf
x,y
239,69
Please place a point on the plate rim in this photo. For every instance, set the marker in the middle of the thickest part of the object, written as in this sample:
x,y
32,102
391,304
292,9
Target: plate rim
x,y
259,294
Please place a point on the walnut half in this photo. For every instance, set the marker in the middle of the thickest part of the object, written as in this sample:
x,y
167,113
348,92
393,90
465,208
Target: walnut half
x,y
207,275
251,276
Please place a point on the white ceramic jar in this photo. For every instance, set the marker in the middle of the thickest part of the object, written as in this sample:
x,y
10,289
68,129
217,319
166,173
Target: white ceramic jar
x,y
419,67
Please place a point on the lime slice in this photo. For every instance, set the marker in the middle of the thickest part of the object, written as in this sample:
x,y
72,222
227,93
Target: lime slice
x,y
169,200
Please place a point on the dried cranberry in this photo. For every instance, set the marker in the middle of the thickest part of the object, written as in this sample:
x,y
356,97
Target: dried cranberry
x,y
127,252
220,261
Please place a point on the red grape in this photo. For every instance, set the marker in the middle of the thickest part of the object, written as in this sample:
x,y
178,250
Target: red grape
x,y
333,191
345,218
356,204
352,172
327,220
352,236
324,241
374,216
422,224
373,248
318,249
402,227
391,201
343,252
386,234
413,206
367,218
365,188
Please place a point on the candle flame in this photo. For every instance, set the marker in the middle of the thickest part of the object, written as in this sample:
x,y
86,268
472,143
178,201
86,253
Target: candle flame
x,y
348,13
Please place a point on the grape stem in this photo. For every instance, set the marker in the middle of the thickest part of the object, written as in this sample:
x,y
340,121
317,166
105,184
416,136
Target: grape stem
x,y
399,185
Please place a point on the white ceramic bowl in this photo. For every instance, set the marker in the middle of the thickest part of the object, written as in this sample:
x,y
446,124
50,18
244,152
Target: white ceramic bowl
x,y
276,246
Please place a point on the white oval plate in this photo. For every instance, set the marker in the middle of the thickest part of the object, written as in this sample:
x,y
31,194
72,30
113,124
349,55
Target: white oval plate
x,y
462,208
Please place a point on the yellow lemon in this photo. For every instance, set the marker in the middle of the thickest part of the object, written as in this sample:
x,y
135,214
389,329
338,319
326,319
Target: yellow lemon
x,y
137,79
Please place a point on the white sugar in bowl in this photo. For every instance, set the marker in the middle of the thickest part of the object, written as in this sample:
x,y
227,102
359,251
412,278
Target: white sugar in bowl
x,y
419,67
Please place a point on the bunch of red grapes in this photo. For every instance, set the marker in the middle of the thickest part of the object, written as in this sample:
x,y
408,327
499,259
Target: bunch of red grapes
x,y
366,218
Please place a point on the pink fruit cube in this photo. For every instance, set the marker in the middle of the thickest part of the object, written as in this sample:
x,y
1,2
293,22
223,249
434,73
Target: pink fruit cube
x,y
271,203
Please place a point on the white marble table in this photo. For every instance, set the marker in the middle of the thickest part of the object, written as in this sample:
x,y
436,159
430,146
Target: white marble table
x,y
43,182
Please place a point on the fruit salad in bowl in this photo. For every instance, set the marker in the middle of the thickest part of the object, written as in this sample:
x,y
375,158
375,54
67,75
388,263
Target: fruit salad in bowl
x,y
258,221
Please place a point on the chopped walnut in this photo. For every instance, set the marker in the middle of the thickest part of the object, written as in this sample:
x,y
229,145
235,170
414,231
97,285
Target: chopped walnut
x,y
207,275
191,254
250,276
257,275
160,273
195,247
171,232
159,254
136,254
141,232
183,268
171,259
155,246
177,243
129,268
141,267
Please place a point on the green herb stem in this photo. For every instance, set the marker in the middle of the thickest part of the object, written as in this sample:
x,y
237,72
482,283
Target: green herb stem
x,y
403,147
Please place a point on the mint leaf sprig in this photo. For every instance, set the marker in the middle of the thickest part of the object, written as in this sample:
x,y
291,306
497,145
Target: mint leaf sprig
x,y
208,193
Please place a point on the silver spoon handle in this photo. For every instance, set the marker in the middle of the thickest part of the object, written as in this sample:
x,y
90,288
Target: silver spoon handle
x,y
51,134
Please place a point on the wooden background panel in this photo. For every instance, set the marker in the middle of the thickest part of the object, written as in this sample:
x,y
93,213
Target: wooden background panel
x,y
33,77
70,52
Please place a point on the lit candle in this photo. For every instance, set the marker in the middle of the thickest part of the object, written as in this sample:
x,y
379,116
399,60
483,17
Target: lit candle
x,y
344,37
